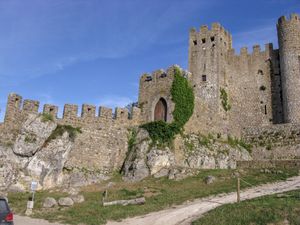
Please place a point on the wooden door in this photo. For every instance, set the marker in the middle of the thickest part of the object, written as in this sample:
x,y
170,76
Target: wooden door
x,y
160,112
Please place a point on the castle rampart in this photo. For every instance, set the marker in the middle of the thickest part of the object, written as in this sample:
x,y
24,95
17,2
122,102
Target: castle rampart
x,y
17,111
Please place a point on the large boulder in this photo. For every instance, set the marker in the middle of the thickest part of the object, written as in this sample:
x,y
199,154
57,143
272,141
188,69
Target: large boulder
x,y
47,165
66,201
160,161
143,160
135,167
34,132
49,202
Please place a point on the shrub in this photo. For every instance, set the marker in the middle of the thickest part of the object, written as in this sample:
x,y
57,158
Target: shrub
x,y
61,129
47,117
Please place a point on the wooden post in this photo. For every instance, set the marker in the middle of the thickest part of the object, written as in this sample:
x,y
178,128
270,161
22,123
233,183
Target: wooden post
x,y
238,189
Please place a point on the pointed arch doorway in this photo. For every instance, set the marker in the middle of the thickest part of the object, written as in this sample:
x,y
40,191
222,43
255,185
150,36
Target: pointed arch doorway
x,y
160,111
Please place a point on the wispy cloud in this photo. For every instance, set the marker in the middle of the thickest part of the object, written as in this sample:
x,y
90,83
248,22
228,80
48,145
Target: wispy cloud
x,y
257,35
113,101
42,37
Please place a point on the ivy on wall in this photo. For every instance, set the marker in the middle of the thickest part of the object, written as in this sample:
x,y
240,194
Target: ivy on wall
x,y
183,97
224,100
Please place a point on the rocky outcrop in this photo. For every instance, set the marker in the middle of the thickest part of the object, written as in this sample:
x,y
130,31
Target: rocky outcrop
x,y
34,156
47,165
33,136
135,167
143,160
211,153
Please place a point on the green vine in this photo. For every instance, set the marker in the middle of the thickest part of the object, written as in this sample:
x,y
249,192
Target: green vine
x,y
183,97
224,100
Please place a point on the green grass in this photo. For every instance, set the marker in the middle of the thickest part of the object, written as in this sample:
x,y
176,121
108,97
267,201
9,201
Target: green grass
x,y
260,211
47,117
159,193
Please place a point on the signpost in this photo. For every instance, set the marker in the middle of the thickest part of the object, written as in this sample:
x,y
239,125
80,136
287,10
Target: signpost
x,y
30,203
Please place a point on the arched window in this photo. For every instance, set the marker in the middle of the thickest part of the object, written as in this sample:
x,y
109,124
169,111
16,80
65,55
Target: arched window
x,y
160,111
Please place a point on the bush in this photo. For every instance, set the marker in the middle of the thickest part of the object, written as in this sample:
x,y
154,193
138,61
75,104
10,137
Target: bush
x,y
61,129
47,117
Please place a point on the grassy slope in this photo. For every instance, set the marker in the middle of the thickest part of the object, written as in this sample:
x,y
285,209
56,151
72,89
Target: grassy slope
x,y
260,211
159,193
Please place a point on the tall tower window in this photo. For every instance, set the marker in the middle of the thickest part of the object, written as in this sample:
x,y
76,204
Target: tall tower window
x,y
203,41
195,42
203,77
212,39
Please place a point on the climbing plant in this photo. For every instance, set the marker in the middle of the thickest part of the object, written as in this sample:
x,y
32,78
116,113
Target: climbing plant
x,y
183,97
224,99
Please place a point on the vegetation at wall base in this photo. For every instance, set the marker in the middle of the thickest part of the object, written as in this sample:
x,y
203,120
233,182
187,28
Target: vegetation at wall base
x,y
272,209
61,129
159,193
183,97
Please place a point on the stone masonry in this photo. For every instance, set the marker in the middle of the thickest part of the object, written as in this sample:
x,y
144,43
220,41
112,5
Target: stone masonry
x,y
262,89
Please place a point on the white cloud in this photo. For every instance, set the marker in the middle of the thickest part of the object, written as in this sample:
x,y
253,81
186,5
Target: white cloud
x,y
113,101
258,35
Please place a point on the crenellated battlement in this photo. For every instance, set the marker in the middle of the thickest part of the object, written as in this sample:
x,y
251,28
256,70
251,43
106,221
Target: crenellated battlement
x,y
256,51
162,75
292,18
216,35
18,109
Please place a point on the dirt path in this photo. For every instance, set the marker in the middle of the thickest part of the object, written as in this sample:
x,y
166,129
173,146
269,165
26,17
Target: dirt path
x,y
22,220
185,214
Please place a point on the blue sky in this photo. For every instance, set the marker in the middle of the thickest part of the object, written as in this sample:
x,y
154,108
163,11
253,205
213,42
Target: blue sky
x,y
93,51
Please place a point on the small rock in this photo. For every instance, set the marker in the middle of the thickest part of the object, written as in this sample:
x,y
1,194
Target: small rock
x,y
65,201
209,179
49,202
78,198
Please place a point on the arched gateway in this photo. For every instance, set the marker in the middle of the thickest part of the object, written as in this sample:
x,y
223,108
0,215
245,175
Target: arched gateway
x,y
160,111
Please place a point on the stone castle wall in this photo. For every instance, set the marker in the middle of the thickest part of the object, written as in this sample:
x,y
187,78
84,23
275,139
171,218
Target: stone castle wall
x,y
102,145
262,87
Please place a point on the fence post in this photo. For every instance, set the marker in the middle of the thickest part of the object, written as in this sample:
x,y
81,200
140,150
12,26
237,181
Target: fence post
x,y
238,189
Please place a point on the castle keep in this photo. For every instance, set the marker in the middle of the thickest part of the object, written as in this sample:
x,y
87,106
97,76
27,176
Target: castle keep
x,y
236,94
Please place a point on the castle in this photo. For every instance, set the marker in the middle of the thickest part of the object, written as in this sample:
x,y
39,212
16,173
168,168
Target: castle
x,y
262,88
233,93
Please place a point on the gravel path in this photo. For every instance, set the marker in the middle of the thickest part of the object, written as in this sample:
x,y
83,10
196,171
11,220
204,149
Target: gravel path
x,y
186,213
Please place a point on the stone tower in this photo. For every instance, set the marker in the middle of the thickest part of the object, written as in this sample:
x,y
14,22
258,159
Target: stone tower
x,y
289,51
207,52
